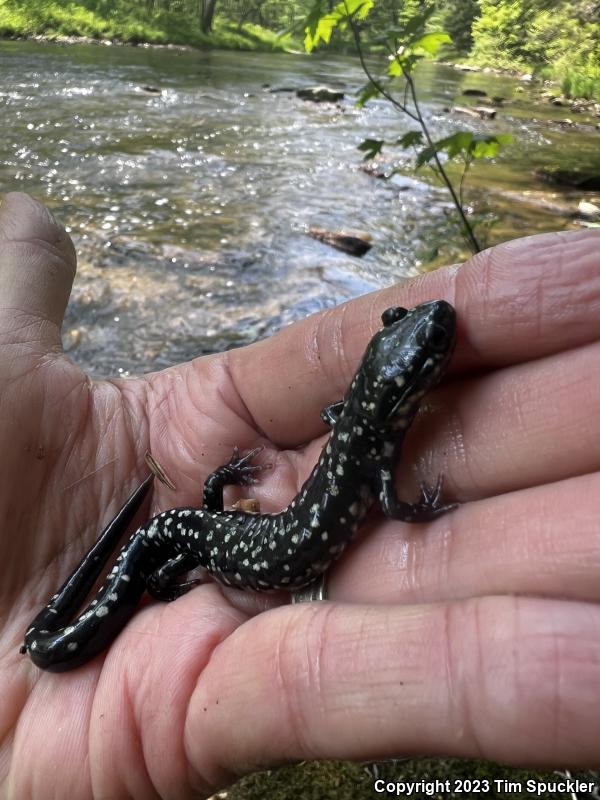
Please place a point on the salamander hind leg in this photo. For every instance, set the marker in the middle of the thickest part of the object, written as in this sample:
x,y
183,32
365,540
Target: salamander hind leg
x,y
162,584
429,506
238,471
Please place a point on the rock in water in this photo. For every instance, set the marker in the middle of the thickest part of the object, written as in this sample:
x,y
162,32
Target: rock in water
x,y
355,243
320,94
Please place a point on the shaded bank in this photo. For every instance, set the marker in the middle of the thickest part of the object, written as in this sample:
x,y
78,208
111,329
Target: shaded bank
x,y
130,24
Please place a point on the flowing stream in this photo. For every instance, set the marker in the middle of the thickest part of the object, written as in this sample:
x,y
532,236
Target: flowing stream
x,y
187,185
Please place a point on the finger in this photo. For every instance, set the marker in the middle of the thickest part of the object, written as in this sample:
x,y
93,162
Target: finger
x,y
529,297
541,541
509,679
520,426
37,267
517,301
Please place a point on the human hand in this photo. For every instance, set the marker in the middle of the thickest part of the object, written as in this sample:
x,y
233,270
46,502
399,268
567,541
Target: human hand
x,y
475,634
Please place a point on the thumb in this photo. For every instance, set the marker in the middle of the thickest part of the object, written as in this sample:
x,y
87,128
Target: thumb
x,y
37,267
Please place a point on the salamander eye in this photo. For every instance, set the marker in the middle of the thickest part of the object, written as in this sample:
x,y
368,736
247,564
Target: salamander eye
x,y
391,315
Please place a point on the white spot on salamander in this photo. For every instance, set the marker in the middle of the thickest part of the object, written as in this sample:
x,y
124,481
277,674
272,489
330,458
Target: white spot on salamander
x,y
101,611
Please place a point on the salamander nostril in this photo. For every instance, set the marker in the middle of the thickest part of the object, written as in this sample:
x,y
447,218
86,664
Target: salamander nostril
x,y
438,336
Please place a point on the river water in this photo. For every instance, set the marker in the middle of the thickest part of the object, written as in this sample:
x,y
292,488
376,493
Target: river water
x,y
188,207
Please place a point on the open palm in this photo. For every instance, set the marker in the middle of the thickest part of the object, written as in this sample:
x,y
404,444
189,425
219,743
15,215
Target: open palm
x,y
435,653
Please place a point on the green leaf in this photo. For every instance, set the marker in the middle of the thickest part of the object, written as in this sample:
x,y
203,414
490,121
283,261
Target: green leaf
x,y
410,139
455,144
367,93
321,32
414,27
417,23
359,8
395,68
321,22
487,146
466,144
312,19
371,147
431,42
451,145
414,49
404,61
425,155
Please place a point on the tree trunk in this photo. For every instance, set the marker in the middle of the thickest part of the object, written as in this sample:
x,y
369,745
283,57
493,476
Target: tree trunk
x,y
206,12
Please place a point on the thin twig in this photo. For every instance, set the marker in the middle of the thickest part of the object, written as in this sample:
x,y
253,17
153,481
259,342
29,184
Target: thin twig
x,y
382,91
418,117
470,235
468,163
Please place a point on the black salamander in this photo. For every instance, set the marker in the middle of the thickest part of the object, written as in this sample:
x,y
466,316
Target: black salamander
x,y
284,550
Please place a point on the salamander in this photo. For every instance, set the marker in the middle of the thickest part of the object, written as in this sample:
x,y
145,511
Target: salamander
x,y
285,550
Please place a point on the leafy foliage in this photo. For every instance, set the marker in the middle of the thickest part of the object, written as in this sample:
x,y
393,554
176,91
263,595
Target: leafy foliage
x,y
172,21
464,144
582,81
457,17
406,41
322,21
556,39
410,139
371,147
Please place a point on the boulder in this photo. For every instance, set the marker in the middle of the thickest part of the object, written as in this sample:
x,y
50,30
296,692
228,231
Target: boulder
x,y
588,210
320,94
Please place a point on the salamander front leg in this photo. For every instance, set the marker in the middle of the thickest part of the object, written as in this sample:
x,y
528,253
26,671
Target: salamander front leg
x,y
430,505
238,471
330,413
161,583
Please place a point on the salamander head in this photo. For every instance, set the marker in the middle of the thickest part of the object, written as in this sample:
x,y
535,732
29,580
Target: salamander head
x,y
403,361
